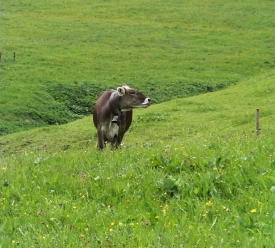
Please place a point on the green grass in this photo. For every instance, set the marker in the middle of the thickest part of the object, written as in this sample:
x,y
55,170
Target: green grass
x,y
165,49
191,173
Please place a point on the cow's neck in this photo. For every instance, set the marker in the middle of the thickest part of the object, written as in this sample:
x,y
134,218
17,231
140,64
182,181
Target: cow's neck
x,y
119,109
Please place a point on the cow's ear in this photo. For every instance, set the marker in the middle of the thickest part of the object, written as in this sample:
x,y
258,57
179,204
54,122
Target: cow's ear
x,y
121,91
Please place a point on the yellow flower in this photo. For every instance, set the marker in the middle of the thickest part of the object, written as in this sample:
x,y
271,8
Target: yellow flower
x,y
111,229
209,203
253,211
113,223
81,235
4,168
86,229
204,214
120,224
74,207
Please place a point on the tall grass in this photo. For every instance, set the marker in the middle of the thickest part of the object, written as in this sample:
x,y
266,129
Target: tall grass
x,y
190,173
217,193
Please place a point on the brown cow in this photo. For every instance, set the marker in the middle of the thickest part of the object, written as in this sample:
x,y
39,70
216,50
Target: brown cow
x,y
112,113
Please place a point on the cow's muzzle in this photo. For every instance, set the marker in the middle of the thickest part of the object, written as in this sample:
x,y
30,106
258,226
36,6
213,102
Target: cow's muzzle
x,y
146,102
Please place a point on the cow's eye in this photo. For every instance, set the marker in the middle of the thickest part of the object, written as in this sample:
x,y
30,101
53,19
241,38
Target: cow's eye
x,y
132,92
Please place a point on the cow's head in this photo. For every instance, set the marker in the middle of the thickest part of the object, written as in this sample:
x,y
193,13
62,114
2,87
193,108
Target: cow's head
x,y
131,98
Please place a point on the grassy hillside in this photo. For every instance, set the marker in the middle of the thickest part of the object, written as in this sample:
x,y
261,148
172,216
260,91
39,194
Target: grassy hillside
x,y
230,111
191,173
66,52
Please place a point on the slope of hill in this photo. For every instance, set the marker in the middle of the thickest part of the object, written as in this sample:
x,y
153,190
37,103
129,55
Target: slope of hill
x,y
217,113
74,49
190,173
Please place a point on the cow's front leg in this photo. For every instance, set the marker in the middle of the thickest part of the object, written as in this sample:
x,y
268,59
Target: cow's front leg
x,y
121,130
100,139
114,142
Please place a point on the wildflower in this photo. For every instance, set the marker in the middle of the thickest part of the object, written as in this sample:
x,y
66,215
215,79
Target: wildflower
x,y
190,227
157,217
113,223
74,207
167,225
13,242
39,212
253,211
4,168
120,224
132,224
209,203
86,229
81,235
111,229
124,190
204,214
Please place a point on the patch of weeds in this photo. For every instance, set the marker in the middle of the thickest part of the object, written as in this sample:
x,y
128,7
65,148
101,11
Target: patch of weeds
x,y
78,98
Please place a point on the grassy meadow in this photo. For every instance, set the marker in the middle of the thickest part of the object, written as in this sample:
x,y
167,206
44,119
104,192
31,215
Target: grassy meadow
x,y
190,172
68,51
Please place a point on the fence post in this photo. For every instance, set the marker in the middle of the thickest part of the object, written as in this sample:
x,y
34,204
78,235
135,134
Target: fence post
x,y
257,122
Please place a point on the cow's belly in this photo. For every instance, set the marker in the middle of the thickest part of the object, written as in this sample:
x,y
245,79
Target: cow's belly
x,y
110,131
